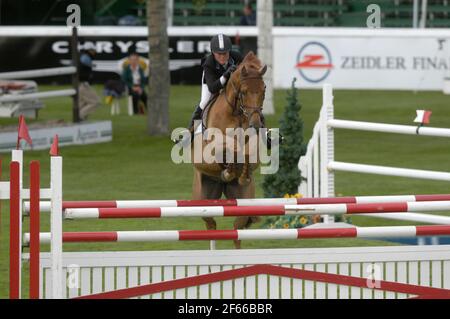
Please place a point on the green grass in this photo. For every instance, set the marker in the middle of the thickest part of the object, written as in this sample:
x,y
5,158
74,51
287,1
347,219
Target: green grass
x,y
137,166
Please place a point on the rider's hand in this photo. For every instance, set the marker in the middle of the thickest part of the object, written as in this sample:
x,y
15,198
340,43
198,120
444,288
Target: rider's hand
x,y
230,70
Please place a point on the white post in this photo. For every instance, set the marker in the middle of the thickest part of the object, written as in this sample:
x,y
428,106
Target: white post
x,y
56,226
309,167
327,143
316,159
423,18
17,156
327,148
170,13
264,20
303,167
415,14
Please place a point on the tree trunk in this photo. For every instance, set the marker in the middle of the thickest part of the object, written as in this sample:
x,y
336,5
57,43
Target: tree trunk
x,y
159,78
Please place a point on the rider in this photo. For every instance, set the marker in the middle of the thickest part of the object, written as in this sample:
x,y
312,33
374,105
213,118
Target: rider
x,y
217,69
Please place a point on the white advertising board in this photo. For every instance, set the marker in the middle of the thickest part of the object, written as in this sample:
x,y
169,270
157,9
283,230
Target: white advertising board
x,y
73,134
364,59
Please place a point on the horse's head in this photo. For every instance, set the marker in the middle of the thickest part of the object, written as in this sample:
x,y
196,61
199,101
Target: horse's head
x,y
249,87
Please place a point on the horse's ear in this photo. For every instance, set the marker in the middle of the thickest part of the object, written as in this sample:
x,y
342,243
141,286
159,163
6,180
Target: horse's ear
x,y
249,56
244,72
263,70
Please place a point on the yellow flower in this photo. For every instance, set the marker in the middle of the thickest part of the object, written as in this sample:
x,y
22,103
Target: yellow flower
x,y
108,100
286,226
303,220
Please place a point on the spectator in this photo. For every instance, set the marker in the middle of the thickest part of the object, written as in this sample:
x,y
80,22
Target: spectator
x,y
249,17
114,89
87,97
134,77
129,20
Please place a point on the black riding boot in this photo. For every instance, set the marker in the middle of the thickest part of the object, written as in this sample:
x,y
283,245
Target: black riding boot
x,y
197,115
268,140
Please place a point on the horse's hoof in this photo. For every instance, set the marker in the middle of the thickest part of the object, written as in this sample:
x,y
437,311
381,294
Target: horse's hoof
x,y
244,181
226,177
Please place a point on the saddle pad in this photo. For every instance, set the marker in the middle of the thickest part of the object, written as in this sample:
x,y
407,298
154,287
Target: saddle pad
x,y
207,109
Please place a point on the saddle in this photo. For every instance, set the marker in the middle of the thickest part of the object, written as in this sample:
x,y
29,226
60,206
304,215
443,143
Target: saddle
x,y
203,127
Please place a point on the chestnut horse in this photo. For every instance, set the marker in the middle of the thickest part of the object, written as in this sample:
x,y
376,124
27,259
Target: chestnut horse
x,y
239,105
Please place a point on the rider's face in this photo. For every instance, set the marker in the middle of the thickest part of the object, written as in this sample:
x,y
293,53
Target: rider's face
x,y
221,58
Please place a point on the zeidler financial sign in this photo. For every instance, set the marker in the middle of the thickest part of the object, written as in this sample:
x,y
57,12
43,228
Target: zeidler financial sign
x,y
363,58
349,58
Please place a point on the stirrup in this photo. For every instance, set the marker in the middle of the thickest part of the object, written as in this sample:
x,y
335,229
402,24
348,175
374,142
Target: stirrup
x,y
185,137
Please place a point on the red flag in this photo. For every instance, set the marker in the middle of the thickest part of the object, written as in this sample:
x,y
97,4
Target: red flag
x,y
23,132
423,116
54,148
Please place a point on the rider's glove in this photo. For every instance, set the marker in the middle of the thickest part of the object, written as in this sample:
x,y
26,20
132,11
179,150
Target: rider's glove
x,y
230,70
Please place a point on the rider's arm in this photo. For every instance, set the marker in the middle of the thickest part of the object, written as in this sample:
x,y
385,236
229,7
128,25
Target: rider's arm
x,y
237,57
214,84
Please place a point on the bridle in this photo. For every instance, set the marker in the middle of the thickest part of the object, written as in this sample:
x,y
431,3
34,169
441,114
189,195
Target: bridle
x,y
242,109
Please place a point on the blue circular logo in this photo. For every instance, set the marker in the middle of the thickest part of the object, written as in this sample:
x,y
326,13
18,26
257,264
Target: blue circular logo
x,y
314,62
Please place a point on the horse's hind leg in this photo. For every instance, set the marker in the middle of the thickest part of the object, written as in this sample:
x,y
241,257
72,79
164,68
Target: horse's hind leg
x,y
210,223
234,190
205,188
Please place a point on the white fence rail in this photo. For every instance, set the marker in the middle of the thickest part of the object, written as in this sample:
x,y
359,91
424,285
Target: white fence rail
x,y
389,171
15,103
317,166
317,181
39,95
389,128
38,73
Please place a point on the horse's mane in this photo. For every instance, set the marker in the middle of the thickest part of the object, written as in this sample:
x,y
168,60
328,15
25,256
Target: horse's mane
x,y
250,62
252,66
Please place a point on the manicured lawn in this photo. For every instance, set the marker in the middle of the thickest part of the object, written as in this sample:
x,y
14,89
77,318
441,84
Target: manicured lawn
x,y
137,166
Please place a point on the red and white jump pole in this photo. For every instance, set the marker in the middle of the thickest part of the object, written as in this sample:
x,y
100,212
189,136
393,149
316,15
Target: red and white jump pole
x,y
228,211
45,205
248,234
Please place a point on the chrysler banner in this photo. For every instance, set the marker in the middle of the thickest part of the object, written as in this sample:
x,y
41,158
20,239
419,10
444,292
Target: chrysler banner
x,y
349,58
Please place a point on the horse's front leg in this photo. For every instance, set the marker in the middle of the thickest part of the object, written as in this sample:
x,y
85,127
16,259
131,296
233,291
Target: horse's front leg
x,y
245,177
229,173
210,223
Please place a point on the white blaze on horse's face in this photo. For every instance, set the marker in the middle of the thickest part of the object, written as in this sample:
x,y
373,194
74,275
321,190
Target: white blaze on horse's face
x,y
252,95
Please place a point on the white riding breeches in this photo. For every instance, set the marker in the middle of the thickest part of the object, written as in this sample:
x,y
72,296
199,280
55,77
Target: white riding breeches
x,y
206,95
